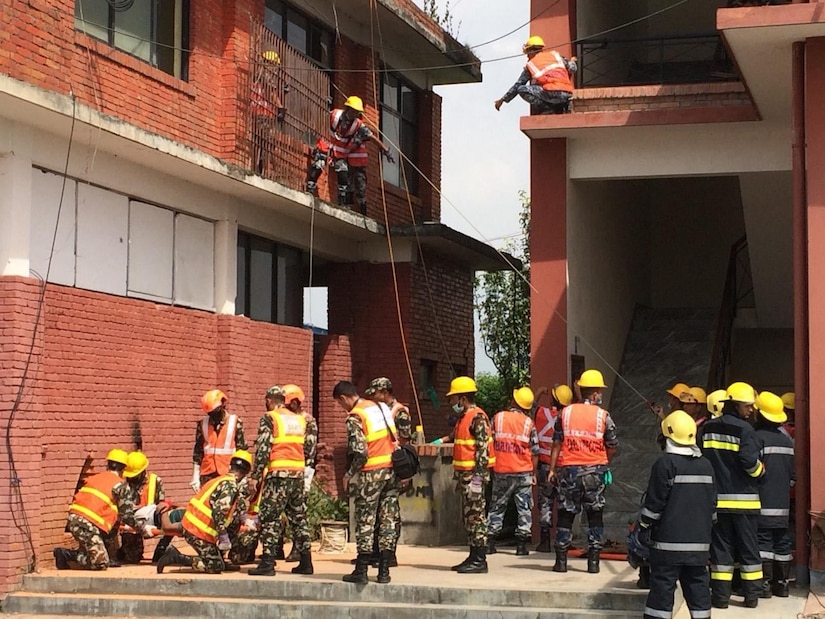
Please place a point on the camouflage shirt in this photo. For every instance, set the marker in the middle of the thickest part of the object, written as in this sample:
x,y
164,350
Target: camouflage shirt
x,y
222,502
136,490
357,453
125,501
403,423
311,440
263,447
197,451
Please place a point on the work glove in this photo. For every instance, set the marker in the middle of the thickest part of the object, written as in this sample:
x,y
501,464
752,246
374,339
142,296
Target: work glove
x,y
147,530
438,441
643,535
251,524
195,484
309,475
388,155
608,477
223,541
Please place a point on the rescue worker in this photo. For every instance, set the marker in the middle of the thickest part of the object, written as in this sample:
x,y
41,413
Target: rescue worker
x,y
349,137
206,519
675,396
147,489
370,480
217,436
584,442
267,110
545,424
789,404
103,500
777,453
715,402
473,457
676,521
546,82
280,456
517,455
697,406
731,445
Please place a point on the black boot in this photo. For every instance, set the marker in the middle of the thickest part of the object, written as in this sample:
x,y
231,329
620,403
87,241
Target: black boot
x,y
644,577
384,567
265,568
491,546
751,602
521,547
544,542
478,562
305,565
767,577
376,553
781,572
62,558
163,544
294,556
359,574
561,561
593,560
469,558
279,553
173,556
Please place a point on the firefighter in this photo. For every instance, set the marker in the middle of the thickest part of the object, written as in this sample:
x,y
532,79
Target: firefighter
x,y
147,489
545,423
676,521
731,445
584,441
349,136
697,406
778,456
789,404
715,401
267,109
206,519
517,455
546,81
217,436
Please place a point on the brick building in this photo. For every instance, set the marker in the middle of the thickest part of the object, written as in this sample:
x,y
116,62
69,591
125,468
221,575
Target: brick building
x,y
688,184
156,240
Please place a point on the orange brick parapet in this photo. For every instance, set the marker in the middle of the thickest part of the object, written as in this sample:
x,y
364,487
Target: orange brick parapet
x,y
640,98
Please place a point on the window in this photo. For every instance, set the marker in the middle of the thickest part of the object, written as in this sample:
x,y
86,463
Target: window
x,y
270,281
299,31
426,374
399,124
153,30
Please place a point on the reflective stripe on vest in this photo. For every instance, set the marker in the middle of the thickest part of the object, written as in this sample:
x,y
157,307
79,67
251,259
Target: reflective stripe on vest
x,y
681,547
287,451
464,446
715,440
376,432
148,492
218,447
738,501
583,426
198,517
342,147
512,431
547,69
95,500
545,425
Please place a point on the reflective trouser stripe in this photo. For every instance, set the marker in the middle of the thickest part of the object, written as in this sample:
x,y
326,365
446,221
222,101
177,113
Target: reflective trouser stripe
x,y
681,547
661,614
751,572
721,572
774,512
768,556
783,558
700,614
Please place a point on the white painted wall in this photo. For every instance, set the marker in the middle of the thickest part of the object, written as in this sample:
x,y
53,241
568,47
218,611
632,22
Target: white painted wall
x,y
101,256
15,198
46,191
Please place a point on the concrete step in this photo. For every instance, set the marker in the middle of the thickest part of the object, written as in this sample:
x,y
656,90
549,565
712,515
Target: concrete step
x,y
120,605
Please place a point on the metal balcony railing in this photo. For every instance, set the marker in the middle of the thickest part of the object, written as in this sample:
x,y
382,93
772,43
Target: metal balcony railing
x,y
663,60
283,102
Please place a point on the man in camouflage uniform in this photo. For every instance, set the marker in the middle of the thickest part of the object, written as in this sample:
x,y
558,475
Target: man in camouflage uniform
x,y
517,455
206,519
140,480
472,457
102,502
283,485
370,480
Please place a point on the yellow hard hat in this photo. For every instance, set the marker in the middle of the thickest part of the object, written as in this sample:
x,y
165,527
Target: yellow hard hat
x,y
355,103
678,389
789,400
119,456
771,407
243,455
524,397
272,56
680,428
714,402
563,395
532,42
592,378
741,392
136,463
698,394
462,384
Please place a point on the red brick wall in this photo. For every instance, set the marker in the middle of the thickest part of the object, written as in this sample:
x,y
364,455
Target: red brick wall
x,y
640,98
334,364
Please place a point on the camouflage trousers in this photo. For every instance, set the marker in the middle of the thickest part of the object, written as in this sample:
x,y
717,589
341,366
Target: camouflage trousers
x,y
580,488
473,509
209,559
375,505
92,551
547,496
244,545
520,487
283,494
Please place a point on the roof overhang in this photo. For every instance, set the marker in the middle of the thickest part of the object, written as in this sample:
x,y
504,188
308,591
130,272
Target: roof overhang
x,y
760,40
457,246
406,37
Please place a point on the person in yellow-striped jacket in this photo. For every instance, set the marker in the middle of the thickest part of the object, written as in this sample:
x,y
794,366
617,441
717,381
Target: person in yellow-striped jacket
x,y
147,489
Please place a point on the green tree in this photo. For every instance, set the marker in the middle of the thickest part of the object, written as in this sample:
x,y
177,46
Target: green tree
x,y
502,300
491,395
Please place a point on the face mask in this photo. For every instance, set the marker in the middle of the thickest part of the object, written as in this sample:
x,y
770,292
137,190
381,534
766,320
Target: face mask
x,y
458,409
596,399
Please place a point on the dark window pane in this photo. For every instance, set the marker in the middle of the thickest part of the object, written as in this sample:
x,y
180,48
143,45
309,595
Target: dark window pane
x,y
391,126
290,293
274,17
260,280
325,55
92,17
389,92
133,30
165,36
240,298
409,104
296,31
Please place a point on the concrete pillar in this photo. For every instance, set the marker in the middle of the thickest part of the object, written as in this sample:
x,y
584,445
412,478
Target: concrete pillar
x,y
15,198
555,22
226,266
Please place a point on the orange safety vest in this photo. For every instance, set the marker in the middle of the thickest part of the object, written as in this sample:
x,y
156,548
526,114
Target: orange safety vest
x,y
197,519
583,426
545,426
95,501
547,69
512,431
464,446
395,409
148,492
342,147
287,451
377,432
218,447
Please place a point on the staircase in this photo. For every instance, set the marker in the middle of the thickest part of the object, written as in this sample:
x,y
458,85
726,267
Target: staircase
x,y
664,346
